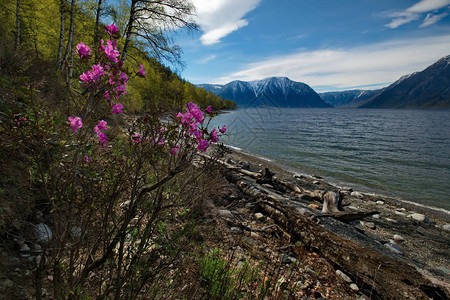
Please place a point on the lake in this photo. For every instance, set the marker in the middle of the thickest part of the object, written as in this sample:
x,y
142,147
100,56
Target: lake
x,y
400,153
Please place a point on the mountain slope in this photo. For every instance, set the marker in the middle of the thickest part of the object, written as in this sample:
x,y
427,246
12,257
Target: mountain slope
x,y
427,89
348,98
274,91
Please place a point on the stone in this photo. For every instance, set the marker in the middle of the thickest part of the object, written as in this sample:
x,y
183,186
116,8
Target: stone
x,y
398,238
356,194
400,209
310,271
420,218
285,259
250,205
354,287
236,230
24,248
352,207
400,213
224,213
380,202
7,283
259,216
316,182
370,225
394,247
343,276
376,216
391,220
446,227
314,206
43,233
254,235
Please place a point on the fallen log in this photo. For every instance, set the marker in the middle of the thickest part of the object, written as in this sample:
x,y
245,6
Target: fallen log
x,y
379,273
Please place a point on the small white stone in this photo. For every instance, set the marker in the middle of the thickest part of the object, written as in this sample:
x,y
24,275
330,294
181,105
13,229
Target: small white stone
x,y
380,202
420,218
354,287
400,213
259,216
356,194
236,230
446,227
343,276
398,238
225,213
376,216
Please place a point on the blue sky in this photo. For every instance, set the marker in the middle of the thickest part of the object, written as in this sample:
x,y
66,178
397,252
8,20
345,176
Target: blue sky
x,y
330,45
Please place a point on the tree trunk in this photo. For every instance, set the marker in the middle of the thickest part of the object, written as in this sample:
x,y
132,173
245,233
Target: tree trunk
x,y
97,23
69,47
61,35
17,42
129,29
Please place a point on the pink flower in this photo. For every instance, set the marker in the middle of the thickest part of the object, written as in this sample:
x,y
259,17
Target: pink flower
x,y
136,138
198,134
123,77
195,111
100,126
75,123
214,137
87,159
161,142
111,52
203,145
111,29
223,129
102,138
185,118
83,51
106,96
141,71
175,150
117,109
208,109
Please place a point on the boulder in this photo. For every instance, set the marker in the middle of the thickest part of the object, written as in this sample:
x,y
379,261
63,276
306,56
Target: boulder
x,y
42,233
420,218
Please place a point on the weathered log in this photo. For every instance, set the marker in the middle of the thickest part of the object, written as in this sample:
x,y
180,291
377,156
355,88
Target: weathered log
x,y
332,202
378,272
381,274
347,216
291,186
268,178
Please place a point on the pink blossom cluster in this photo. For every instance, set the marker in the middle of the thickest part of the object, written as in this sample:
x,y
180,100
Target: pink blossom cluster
x,y
83,51
102,137
75,123
192,119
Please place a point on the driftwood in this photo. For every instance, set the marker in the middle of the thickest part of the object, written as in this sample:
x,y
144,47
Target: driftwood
x,y
378,272
344,216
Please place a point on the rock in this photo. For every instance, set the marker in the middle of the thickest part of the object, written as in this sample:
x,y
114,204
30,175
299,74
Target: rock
x,y
316,182
24,248
370,225
352,207
394,247
236,230
391,220
354,287
76,232
380,202
314,206
446,227
7,283
343,276
254,235
43,233
298,176
259,216
400,213
398,238
316,176
224,213
250,205
310,271
16,225
376,216
37,248
420,218
356,194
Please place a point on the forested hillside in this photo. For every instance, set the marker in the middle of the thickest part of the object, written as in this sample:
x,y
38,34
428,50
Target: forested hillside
x,y
41,36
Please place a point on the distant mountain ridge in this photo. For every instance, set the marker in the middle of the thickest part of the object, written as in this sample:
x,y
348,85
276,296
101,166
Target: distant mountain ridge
x,y
429,88
273,91
348,98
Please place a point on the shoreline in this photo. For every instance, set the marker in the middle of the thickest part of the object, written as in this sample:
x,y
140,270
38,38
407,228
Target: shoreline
x,y
289,172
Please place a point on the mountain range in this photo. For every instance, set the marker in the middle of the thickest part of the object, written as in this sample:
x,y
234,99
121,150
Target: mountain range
x,y
273,91
429,88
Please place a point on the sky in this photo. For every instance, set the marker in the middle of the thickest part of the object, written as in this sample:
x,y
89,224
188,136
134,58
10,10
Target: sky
x,y
328,44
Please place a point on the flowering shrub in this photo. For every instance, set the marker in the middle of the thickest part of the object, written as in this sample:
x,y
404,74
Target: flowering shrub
x,y
107,187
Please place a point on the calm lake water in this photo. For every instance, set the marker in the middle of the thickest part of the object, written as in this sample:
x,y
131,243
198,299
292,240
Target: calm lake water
x,y
401,153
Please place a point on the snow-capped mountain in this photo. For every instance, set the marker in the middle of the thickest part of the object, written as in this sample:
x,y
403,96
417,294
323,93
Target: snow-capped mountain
x,y
273,91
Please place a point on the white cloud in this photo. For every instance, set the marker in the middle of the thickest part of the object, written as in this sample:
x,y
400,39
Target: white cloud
x,y
375,64
430,19
219,18
206,59
414,12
